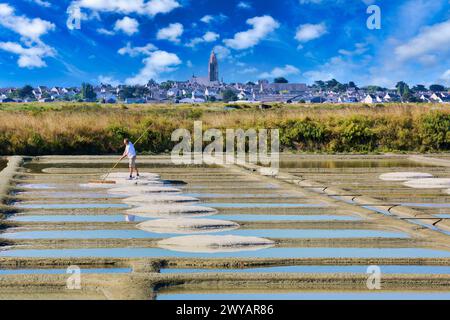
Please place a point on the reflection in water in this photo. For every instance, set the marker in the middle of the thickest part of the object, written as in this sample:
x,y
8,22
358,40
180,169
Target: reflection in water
x,y
308,296
390,269
264,253
129,218
140,234
336,164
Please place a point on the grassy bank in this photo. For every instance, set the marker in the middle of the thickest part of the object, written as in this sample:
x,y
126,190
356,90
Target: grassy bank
x,y
36,129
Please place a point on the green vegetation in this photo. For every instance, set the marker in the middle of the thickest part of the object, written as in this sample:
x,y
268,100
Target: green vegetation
x,y
88,128
280,80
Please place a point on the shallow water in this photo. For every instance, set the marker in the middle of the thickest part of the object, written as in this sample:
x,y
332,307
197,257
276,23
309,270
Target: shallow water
x,y
63,271
332,164
140,234
71,205
308,296
76,218
240,195
238,217
263,253
426,205
276,217
43,186
263,205
390,269
68,195
443,215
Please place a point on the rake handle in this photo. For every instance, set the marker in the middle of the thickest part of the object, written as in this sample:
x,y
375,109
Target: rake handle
x,y
117,163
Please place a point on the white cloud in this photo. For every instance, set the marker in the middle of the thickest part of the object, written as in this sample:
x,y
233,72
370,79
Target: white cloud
x,y
248,70
446,77
207,37
189,64
150,8
105,32
207,19
156,63
244,5
310,1
28,28
308,32
42,3
261,27
171,33
222,52
31,57
210,18
127,25
135,51
108,80
285,71
360,48
430,41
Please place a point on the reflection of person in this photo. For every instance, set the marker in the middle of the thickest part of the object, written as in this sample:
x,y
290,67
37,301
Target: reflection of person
x,y
129,218
130,152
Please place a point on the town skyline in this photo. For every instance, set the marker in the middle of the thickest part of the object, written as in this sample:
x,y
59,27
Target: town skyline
x,y
301,40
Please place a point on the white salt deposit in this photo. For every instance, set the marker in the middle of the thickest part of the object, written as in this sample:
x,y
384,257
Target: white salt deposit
x,y
124,175
183,225
137,190
212,244
158,198
403,176
429,183
171,211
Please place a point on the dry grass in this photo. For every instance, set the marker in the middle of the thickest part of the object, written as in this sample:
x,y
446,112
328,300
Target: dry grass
x,y
83,128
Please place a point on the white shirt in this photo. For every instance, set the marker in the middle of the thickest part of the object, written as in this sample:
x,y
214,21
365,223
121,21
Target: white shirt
x,y
130,151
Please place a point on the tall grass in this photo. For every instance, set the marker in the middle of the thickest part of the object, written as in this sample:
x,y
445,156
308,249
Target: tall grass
x,y
35,129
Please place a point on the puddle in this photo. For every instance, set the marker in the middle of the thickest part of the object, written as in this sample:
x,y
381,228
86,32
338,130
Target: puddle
x,y
75,218
239,217
63,271
240,195
390,269
336,164
263,253
385,212
69,195
308,296
71,205
268,217
37,186
265,205
140,234
426,205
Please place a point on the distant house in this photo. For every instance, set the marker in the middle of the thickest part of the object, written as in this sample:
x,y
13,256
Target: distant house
x,y
5,100
390,97
425,98
371,98
46,100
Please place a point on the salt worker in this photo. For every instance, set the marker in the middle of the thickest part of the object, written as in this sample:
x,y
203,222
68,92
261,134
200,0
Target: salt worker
x,y
130,152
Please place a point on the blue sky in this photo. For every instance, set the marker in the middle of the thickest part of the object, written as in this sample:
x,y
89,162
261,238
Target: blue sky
x,y
131,41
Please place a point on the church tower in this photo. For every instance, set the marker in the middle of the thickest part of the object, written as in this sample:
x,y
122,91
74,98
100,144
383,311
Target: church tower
x,y
213,68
